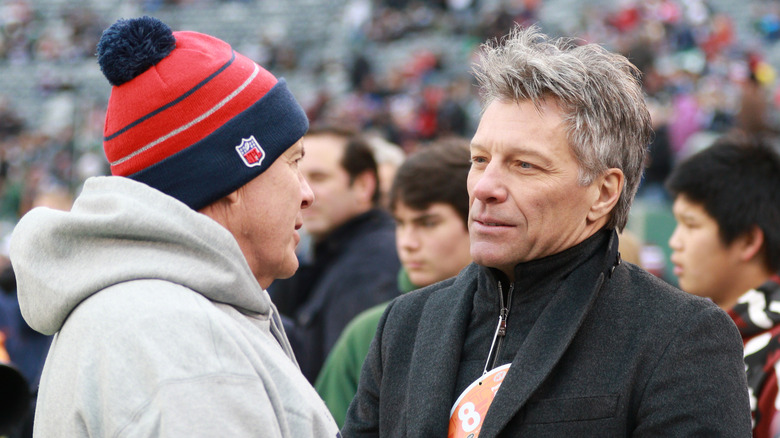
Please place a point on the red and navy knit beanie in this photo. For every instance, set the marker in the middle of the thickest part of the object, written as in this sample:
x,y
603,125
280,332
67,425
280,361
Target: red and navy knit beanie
x,y
188,115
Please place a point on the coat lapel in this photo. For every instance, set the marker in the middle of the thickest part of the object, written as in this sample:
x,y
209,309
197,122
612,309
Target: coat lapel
x,y
545,344
434,364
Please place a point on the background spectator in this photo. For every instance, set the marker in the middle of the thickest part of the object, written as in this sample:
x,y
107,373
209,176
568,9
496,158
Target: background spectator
x,y
430,205
353,264
726,247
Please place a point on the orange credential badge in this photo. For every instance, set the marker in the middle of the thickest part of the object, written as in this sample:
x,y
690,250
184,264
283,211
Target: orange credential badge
x,y
469,410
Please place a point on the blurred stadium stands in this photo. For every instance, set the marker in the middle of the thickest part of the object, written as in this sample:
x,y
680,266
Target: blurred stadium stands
x,y
400,67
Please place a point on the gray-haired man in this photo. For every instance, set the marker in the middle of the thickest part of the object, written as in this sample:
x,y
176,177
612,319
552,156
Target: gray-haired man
x,y
548,333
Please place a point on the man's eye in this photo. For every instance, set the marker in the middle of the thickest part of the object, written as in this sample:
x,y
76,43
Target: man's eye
x,y
429,223
478,160
316,177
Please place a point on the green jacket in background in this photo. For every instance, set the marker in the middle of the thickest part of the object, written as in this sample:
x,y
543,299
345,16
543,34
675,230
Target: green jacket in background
x,y
338,380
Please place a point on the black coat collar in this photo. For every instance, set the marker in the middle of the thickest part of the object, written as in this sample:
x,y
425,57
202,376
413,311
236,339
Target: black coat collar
x,y
434,365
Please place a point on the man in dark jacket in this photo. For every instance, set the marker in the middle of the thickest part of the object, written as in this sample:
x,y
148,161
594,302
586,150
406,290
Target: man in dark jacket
x,y
548,333
353,264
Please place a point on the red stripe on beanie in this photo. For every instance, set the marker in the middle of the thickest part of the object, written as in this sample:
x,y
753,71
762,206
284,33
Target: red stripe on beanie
x,y
169,107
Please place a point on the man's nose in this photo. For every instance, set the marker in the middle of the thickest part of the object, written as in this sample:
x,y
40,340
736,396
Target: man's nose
x,y
674,239
407,238
490,186
308,194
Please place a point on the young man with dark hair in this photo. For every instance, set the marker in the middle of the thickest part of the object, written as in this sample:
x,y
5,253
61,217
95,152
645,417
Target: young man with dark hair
x,y
726,247
430,204
353,263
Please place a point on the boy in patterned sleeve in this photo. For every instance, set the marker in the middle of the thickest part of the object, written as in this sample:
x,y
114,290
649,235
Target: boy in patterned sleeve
x,y
726,247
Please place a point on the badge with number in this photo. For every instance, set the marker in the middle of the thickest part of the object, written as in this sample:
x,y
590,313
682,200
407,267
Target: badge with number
x,y
470,409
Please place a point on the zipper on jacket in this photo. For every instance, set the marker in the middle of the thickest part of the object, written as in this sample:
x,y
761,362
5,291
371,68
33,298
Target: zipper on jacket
x,y
498,336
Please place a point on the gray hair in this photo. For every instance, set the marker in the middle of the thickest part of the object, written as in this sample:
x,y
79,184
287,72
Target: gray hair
x,y
605,115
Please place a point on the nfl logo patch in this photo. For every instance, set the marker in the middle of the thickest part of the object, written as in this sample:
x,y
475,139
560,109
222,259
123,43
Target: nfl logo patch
x,y
250,151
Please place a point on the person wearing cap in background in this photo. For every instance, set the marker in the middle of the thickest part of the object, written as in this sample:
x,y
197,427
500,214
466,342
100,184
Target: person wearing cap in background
x,y
155,281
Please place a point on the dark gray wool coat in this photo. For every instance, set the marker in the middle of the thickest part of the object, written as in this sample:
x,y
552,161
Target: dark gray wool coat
x,y
613,352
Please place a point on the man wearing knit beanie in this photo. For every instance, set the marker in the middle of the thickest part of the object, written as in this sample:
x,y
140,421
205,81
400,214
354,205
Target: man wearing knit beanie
x,y
155,282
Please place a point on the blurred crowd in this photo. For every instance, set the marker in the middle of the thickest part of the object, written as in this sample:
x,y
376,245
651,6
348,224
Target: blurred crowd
x,y
403,79
700,79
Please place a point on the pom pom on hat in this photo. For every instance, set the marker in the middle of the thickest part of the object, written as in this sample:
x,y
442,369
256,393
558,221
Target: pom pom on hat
x,y
188,115
129,47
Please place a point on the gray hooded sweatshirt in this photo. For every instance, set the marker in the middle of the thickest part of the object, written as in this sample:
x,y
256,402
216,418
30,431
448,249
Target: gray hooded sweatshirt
x,y
161,328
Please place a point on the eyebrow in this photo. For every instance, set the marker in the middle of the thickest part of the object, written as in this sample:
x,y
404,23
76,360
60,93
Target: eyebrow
x,y
685,216
517,150
426,216
473,145
421,217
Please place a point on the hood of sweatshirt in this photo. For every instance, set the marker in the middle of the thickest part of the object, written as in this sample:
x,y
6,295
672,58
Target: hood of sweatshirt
x,y
120,230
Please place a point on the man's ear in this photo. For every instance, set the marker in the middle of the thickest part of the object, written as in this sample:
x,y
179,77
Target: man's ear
x,y
219,210
234,197
608,186
364,186
750,243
